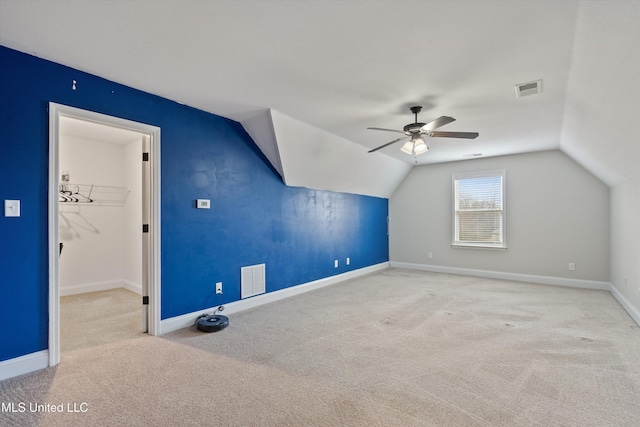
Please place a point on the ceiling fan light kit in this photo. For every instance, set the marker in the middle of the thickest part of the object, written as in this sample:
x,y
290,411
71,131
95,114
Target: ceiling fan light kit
x,y
407,147
415,146
415,132
420,147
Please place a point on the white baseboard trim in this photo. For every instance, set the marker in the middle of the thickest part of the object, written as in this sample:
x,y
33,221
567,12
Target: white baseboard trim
x,y
624,302
100,286
544,280
186,320
24,364
133,287
89,287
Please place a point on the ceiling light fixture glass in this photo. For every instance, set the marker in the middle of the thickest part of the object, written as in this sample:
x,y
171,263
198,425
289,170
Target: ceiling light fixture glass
x,y
415,146
408,147
420,147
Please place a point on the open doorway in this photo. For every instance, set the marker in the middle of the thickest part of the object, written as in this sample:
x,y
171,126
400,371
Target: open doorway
x,y
103,229
99,224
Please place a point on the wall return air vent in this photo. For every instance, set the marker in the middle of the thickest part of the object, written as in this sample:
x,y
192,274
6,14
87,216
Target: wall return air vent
x,y
529,88
252,280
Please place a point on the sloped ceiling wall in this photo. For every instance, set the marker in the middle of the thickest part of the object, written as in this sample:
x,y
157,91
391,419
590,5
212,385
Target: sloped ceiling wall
x,y
600,130
259,125
306,156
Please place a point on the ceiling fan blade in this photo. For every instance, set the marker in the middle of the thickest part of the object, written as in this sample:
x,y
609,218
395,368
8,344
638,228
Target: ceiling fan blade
x,y
440,121
441,134
387,130
387,144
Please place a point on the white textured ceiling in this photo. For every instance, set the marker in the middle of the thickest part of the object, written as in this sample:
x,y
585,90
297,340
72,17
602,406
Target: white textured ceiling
x,y
342,66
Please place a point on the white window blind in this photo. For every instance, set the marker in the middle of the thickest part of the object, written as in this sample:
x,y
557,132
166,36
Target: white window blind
x,y
478,211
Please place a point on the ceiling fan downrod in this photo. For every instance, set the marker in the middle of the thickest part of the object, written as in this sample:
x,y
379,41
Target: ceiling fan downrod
x,y
415,110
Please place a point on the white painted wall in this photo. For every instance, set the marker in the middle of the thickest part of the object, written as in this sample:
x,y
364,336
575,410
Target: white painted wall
x,y
98,245
625,240
557,213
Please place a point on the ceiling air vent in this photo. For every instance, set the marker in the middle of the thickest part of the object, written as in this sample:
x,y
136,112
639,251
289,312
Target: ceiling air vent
x,y
529,88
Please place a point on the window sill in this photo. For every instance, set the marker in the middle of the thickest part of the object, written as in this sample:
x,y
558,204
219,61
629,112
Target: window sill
x,y
473,246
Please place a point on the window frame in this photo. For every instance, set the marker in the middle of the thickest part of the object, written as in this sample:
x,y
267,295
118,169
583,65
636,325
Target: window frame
x,y
502,173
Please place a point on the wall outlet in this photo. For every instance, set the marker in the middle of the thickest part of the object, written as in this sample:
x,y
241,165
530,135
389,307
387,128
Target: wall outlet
x,y
335,263
348,261
219,288
429,255
572,266
625,282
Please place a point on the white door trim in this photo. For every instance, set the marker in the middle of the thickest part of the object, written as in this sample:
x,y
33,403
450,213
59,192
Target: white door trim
x,y
55,112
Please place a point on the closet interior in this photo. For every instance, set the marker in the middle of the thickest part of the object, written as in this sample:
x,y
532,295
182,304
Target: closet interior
x,y
100,224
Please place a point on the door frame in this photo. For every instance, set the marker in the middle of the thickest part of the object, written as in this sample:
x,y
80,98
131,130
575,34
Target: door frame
x,y
153,263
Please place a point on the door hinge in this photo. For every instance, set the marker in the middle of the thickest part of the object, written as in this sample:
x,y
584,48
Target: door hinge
x,y
145,228
145,300
145,157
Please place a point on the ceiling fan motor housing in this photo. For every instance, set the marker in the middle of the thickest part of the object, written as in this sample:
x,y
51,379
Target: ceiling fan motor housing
x,y
413,128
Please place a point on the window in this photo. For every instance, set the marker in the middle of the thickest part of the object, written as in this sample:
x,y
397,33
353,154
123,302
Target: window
x,y
478,209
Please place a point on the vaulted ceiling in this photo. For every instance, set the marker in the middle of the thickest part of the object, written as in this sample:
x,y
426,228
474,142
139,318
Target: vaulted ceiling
x,y
308,77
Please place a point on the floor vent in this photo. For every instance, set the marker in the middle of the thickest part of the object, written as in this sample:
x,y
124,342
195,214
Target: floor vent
x,y
252,281
527,89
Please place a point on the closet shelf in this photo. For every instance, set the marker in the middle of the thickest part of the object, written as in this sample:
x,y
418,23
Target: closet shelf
x,y
92,195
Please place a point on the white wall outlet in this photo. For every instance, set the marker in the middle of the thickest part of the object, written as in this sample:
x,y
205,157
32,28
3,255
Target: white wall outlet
x,y
625,282
203,203
12,208
219,288
335,263
429,255
348,261
572,266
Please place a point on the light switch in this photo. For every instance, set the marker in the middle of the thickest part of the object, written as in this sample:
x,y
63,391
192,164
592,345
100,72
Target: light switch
x,y
12,208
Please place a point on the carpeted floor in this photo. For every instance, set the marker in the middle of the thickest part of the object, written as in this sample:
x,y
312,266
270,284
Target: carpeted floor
x,y
398,347
96,318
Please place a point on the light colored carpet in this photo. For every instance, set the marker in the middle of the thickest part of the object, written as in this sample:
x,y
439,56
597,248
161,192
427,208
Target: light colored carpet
x,y
398,347
96,318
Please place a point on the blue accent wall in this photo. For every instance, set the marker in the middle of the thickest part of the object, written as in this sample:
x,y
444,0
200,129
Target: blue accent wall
x,y
254,218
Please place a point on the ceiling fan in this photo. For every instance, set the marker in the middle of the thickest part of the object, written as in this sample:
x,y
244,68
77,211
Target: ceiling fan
x,y
415,132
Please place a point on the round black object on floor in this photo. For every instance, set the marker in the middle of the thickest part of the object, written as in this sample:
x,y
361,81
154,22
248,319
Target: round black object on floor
x,y
212,323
